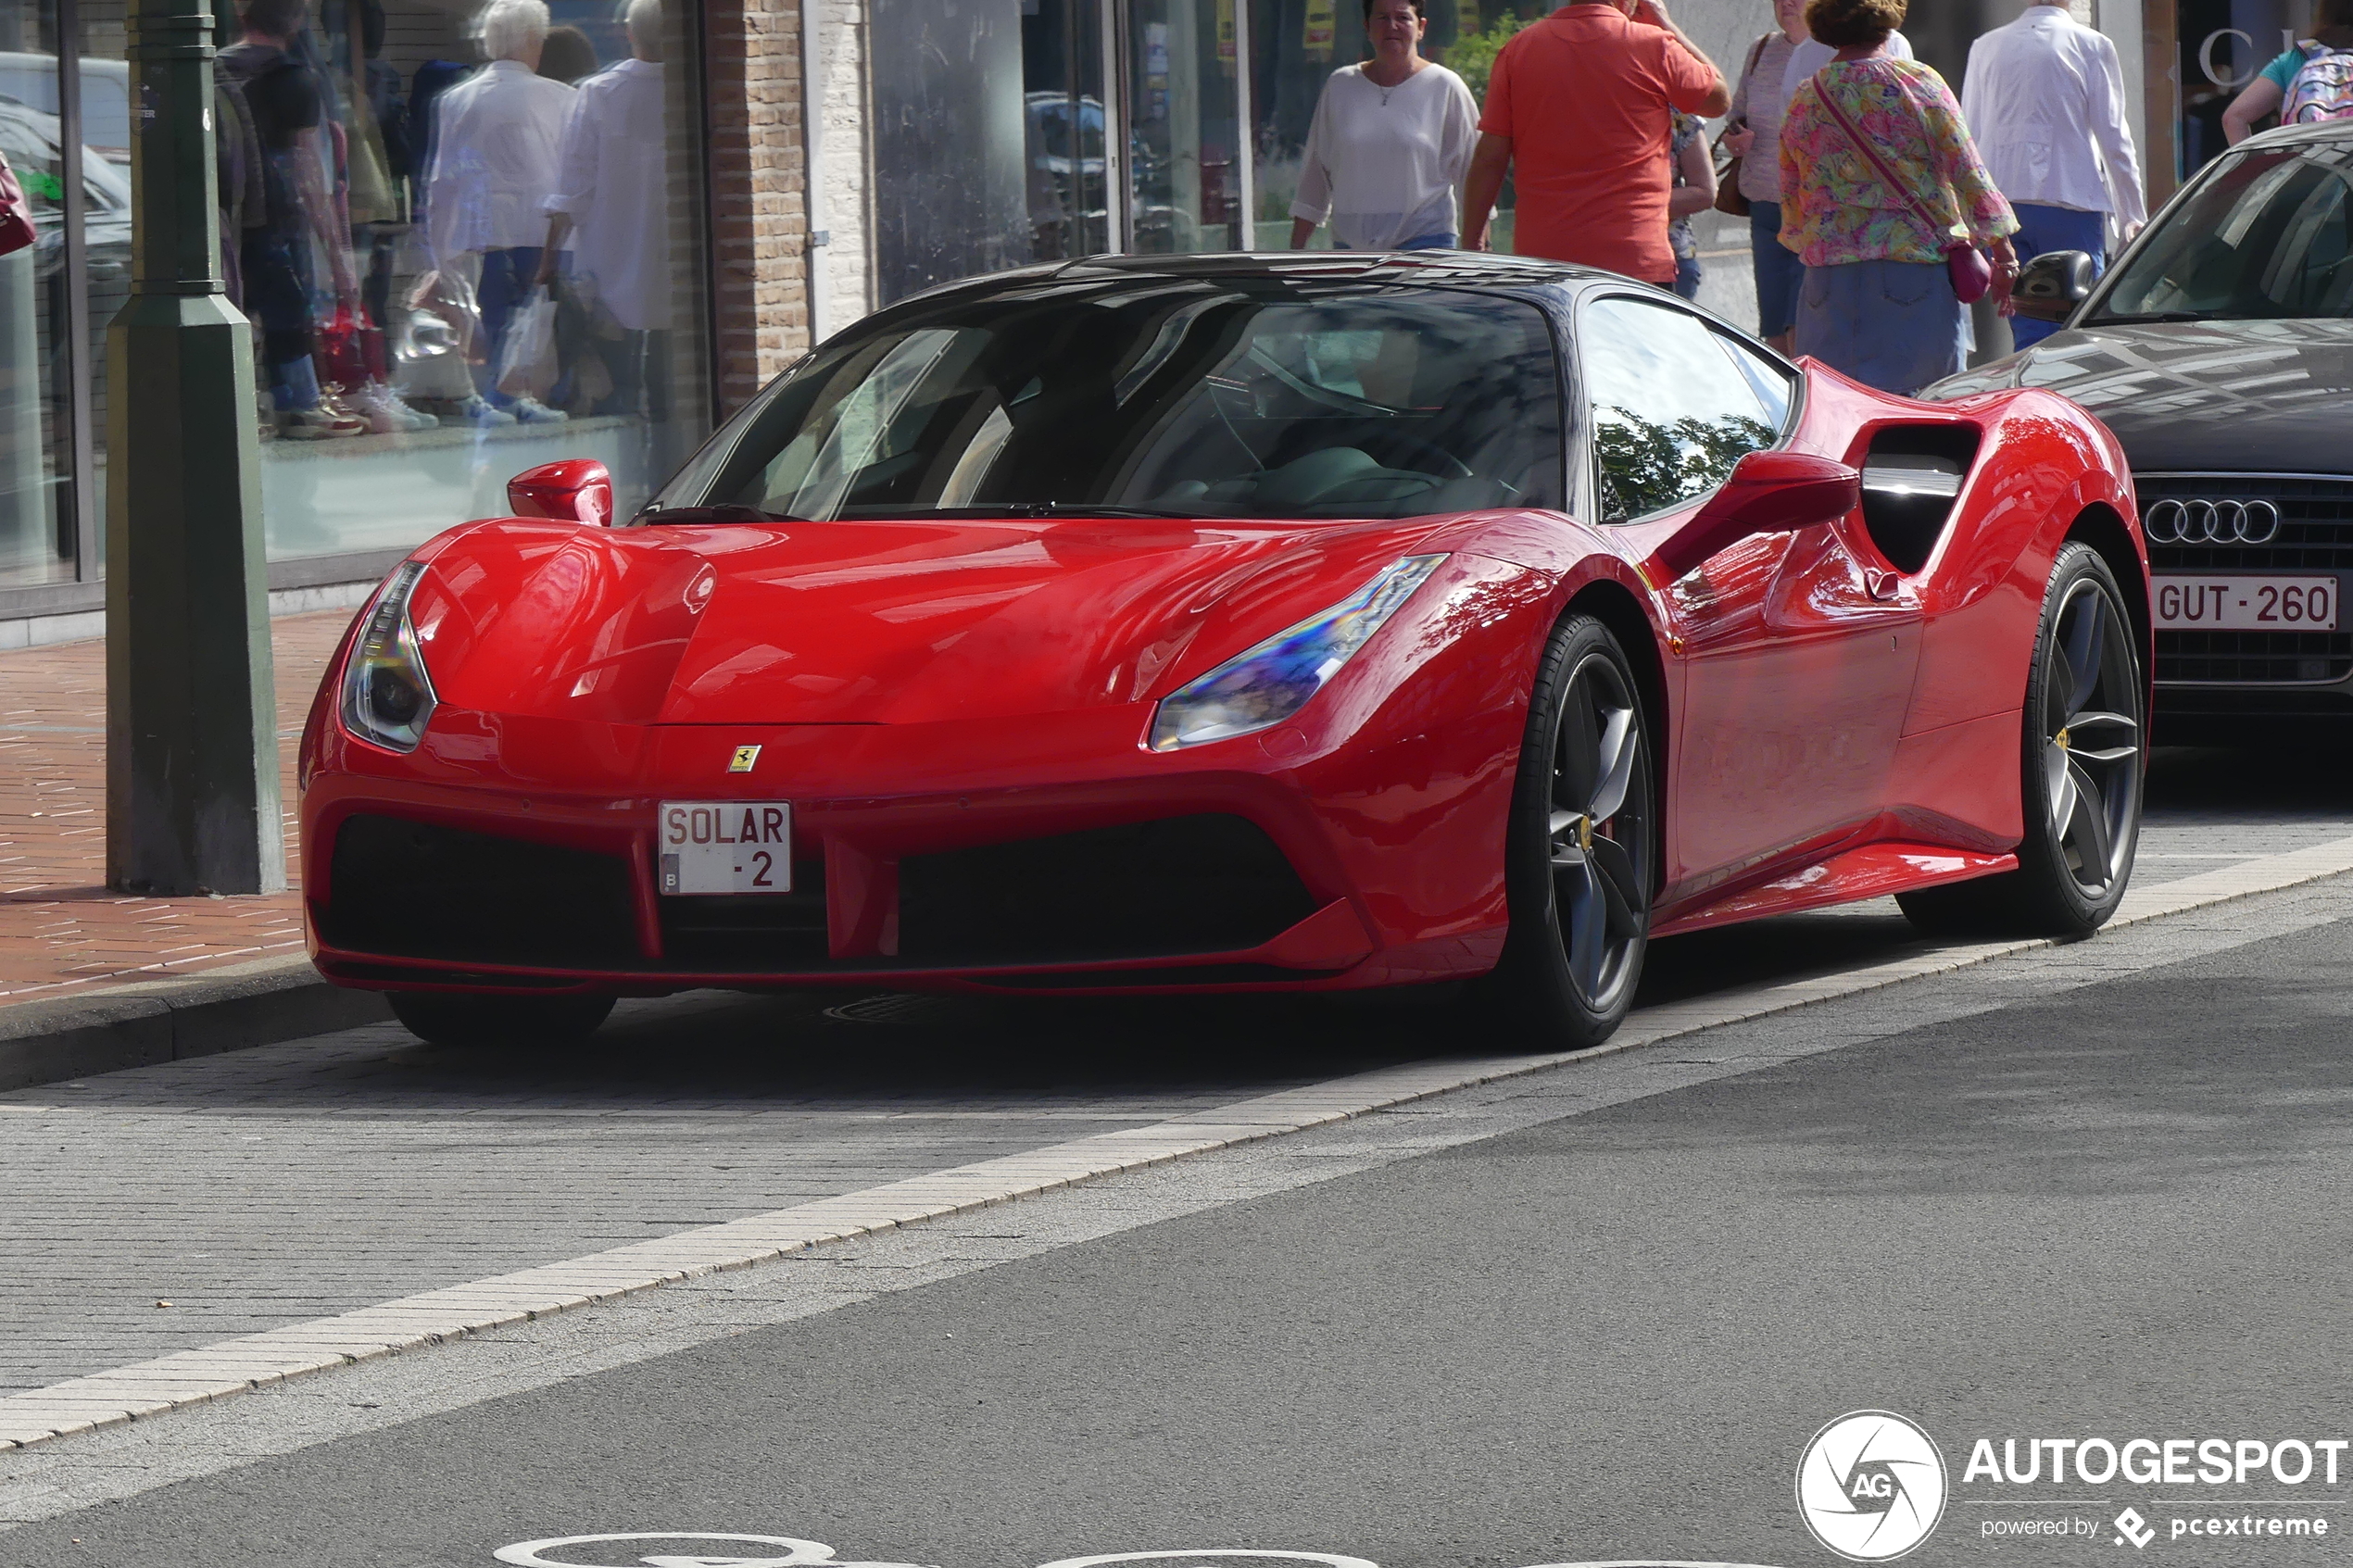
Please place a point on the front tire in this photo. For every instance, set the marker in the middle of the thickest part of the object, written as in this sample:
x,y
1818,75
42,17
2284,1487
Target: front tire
x,y
1581,850
479,1022
2081,752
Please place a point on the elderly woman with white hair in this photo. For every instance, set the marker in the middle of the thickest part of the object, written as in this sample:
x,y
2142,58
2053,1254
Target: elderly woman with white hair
x,y
498,149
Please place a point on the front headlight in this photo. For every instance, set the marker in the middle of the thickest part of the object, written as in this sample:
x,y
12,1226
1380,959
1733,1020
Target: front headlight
x,y
1265,686
387,696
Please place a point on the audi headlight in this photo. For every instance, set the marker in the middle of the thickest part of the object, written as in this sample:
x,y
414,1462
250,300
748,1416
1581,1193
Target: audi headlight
x,y
1268,684
387,696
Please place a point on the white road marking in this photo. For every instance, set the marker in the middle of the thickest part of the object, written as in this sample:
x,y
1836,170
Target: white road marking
x,y
798,1553
256,1360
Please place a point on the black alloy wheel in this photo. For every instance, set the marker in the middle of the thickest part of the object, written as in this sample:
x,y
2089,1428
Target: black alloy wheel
x,y
1582,847
465,1022
2083,756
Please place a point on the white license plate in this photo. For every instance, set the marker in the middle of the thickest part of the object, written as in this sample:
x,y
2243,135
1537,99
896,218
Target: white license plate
x,y
2246,604
725,847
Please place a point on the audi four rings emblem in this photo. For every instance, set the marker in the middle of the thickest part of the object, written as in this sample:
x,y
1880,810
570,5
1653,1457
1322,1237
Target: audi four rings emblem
x,y
2211,522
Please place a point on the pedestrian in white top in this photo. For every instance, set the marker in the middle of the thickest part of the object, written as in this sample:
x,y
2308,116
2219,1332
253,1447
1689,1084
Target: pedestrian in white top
x,y
1390,144
2044,98
1813,54
495,163
613,201
611,198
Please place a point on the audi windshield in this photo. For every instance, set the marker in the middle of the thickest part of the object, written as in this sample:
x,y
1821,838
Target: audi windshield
x,y
1154,396
2264,237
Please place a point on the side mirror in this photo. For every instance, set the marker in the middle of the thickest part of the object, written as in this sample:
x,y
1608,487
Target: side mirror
x,y
576,490
1768,493
2052,286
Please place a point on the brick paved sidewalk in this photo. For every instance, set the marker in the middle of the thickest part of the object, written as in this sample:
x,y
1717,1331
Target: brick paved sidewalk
x,y
60,928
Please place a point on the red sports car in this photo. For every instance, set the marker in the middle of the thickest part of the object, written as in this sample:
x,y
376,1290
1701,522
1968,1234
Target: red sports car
x,y
1238,622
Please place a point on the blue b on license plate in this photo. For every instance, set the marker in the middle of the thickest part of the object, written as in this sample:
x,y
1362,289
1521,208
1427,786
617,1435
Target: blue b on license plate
x,y
725,847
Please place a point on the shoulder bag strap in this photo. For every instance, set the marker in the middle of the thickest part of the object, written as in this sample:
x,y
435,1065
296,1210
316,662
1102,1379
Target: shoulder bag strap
x,y
1941,233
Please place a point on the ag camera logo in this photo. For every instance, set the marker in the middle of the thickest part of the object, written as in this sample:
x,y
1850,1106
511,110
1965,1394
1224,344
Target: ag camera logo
x,y
1870,1486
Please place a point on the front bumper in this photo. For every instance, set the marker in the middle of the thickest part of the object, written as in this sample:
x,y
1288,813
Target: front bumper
x,y
514,854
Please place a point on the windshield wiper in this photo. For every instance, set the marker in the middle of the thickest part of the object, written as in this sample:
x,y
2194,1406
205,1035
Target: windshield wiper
x,y
1017,509
729,513
2147,317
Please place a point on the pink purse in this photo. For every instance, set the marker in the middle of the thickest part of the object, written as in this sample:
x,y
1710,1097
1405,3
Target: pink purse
x,y
1972,275
16,214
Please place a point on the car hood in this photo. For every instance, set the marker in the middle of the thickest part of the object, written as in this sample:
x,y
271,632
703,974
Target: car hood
x,y
865,622
2200,396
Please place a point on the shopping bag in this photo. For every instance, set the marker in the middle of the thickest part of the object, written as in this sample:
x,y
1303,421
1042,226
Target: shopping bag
x,y
527,359
342,358
436,338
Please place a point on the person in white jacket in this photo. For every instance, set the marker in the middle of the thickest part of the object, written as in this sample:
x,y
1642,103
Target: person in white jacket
x,y
500,133
2044,99
1390,144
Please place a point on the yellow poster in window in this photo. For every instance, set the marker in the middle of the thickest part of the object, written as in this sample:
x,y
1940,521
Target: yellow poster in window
x,y
1225,36
1320,30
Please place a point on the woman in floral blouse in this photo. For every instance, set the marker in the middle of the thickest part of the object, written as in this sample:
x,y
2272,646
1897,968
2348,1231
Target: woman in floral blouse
x,y
1877,303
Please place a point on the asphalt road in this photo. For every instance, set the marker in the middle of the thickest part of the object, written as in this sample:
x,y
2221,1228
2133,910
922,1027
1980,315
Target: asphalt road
x,y
1592,1317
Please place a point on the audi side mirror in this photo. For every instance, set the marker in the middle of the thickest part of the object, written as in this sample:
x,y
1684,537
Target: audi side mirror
x,y
576,490
2052,286
1768,493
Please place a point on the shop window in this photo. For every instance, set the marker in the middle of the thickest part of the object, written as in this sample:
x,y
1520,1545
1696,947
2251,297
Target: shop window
x,y
389,172
40,539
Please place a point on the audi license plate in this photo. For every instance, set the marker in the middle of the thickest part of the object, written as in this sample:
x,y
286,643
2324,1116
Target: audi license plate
x,y
2246,604
727,847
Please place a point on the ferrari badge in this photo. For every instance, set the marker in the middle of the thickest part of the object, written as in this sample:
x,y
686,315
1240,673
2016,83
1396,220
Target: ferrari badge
x,y
745,758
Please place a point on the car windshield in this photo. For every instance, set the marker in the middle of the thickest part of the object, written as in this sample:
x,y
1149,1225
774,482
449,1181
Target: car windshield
x,y
1188,397
2265,238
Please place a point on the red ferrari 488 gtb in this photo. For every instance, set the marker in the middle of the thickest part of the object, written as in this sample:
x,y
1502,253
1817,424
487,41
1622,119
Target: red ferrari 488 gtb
x,y
1241,623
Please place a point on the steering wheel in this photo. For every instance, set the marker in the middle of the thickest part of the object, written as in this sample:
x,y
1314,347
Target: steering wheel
x,y
1449,465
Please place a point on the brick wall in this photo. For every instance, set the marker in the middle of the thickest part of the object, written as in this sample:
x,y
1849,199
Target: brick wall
x,y
759,228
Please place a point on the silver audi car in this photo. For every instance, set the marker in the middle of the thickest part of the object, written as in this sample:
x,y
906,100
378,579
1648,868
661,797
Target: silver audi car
x,y
2219,350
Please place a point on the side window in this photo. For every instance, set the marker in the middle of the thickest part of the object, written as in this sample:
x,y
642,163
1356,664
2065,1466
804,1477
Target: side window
x,y
1671,410
1774,382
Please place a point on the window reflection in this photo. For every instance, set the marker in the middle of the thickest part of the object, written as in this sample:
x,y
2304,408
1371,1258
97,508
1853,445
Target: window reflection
x,y
38,516
1672,408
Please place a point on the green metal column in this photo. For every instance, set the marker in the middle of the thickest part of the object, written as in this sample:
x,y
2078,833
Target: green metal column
x,y
192,735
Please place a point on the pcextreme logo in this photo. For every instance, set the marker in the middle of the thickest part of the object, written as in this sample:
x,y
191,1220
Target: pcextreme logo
x,y
1870,1486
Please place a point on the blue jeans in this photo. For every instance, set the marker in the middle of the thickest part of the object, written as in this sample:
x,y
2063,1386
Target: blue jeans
x,y
505,282
2043,229
1687,276
1779,272
1440,239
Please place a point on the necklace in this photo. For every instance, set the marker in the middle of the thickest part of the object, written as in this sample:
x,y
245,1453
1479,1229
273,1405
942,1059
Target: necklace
x,y
1391,87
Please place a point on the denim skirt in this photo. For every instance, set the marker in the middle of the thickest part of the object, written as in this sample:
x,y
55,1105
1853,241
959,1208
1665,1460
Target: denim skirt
x,y
1894,325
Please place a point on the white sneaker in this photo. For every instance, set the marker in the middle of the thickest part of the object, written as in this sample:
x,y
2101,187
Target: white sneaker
x,y
531,411
477,411
320,423
386,414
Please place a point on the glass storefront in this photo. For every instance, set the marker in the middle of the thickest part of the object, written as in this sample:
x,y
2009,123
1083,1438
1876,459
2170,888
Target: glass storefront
x,y
2219,47
1155,127
392,175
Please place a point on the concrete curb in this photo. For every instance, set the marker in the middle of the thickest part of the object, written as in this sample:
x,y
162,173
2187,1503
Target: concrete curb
x,y
175,1016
